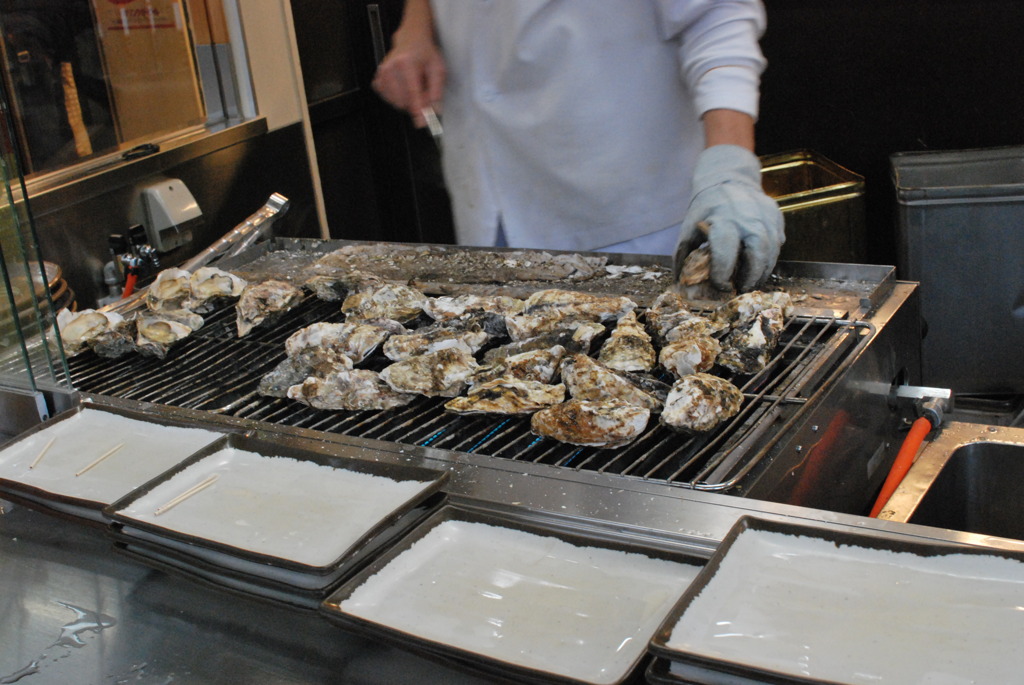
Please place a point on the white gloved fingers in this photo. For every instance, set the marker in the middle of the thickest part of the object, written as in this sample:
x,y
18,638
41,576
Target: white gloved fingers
x,y
724,242
747,229
755,262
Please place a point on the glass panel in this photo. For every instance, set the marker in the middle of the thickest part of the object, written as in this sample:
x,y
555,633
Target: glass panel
x,y
31,356
90,77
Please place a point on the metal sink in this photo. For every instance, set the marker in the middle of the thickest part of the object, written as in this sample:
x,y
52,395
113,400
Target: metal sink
x,y
967,479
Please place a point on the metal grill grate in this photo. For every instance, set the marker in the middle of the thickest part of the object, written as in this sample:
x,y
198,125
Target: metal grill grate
x,y
215,371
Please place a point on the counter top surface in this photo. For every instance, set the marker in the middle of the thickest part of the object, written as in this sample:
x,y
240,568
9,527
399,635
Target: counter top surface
x,y
74,611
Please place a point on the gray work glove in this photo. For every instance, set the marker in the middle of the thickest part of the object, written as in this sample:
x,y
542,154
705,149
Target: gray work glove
x,y
746,226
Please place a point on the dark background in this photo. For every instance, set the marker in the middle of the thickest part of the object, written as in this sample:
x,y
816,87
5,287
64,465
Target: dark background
x,y
853,81
857,81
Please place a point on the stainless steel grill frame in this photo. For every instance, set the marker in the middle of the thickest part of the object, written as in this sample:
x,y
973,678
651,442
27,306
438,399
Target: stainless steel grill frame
x,y
818,427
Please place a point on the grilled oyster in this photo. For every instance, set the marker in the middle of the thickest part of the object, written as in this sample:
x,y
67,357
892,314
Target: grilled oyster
x,y
448,308
577,340
356,341
744,308
439,374
507,396
533,365
570,303
336,284
700,402
588,379
385,301
690,354
351,389
525,326
667,311
607,423
629,348
696,325
434,338
116,341
78,329
182,316
262,302
156,334
210,286
170,290
748,347
317,362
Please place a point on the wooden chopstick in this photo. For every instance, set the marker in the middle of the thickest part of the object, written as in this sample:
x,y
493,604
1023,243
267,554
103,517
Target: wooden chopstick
x,y
42,453
101,458
188,493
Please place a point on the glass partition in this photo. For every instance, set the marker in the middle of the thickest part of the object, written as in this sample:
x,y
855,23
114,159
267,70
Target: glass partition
x,y
31,291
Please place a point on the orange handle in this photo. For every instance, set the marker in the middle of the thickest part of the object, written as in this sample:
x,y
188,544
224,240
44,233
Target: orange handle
x,y
904,460
129,284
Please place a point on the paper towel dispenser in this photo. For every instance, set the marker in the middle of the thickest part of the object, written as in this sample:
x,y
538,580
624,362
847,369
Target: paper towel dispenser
x,y
169,213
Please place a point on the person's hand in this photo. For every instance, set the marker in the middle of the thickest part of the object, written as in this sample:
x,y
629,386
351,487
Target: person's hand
x,y
746,226
411,76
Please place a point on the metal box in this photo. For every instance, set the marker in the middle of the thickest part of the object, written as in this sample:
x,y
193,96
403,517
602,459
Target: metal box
x,y
823,204
961,235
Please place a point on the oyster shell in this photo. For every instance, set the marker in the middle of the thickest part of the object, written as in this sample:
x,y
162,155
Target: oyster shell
x,y
607,423
448,308
318,362
667,311
170,290
570,303
588,379
116,341
699,402
532,365
690,354
78,329
261,302
696,325
525,326
336,284
386,301
748,347
629,348
349,389
438,374
507,396
577,340
156,334
432,339
356,341
182,316
744,308
210,286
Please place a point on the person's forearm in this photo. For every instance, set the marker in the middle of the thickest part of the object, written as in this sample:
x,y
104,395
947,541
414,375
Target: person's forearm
x,y
728,127
417,21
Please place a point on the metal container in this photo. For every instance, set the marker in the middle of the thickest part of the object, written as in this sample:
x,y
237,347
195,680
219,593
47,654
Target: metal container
x,y
823,205
961,230
966,479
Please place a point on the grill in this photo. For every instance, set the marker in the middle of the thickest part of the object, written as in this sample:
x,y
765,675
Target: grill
x,y
217,372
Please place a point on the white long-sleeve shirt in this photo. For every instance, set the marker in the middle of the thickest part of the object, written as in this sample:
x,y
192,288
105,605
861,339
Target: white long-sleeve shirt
x,y
576,123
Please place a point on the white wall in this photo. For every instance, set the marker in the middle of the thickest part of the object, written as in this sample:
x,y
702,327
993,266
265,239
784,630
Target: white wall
x,y
263,43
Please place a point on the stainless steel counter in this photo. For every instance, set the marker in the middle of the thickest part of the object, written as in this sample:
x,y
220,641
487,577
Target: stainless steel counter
x,y
75,611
